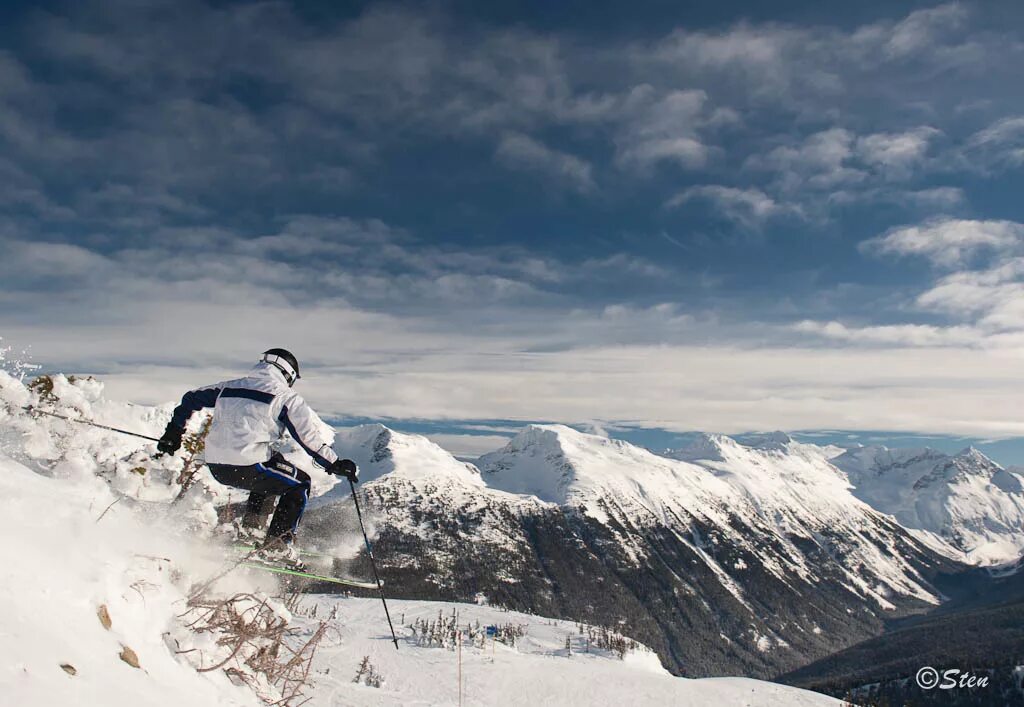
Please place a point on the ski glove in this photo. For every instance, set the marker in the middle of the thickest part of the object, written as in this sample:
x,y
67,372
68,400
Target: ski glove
x,y
346,468
170,442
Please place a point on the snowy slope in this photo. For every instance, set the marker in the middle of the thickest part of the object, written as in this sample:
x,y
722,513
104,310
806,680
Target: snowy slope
x,y
966,500
59,567
568,524
536,671
795,486
82,527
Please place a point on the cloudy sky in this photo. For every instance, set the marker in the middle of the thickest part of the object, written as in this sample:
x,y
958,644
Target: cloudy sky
x,y
628,217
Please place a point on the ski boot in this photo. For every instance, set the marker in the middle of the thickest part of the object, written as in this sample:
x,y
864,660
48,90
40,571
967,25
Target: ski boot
x,y
249,530
280,552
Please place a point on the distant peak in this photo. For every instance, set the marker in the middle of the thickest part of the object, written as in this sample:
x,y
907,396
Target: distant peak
x,y
881,455
363,433
546,435
531,434
706,447
974,455
765,440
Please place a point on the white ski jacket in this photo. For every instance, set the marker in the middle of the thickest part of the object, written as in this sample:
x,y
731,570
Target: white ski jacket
x,y
252,412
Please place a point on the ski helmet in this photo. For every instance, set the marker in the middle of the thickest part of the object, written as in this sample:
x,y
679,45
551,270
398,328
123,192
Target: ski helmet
x,y
284,361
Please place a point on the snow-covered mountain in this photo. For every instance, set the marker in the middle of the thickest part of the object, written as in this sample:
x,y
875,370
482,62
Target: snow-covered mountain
x,y
729,543
965,500
779,494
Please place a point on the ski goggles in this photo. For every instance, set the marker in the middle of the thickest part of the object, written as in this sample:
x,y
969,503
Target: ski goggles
x,y
283,365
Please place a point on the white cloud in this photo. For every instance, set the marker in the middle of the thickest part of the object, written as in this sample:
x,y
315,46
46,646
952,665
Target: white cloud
x,y
412,73
849,166
506,430
748,207
1005,130
921,30
1000,144
989,302
811,70
818,162
948,242
45,263
340,269
676,387
942,199
622,263
662,128
761,49
520,151
595,428
896,153
934,198
154,334
895,334
995,297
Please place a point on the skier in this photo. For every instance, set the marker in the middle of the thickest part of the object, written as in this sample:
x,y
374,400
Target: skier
x,y
249,414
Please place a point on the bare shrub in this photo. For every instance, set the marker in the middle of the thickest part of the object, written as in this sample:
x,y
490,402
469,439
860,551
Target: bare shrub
x,y
260,648
194,444
367,674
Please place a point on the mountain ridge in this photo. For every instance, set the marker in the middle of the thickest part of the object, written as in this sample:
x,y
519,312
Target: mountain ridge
x,y
666,544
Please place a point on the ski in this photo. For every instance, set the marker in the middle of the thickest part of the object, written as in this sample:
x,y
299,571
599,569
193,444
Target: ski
x,y
309,575
257,563
245,547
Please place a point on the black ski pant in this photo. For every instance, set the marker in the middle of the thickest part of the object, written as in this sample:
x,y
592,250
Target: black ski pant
x,y
274,477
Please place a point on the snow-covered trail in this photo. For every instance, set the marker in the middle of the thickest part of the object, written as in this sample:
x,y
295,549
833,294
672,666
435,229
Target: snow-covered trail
x,y
537,671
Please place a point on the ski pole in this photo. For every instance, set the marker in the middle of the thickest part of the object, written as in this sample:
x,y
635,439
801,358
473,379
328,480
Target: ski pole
x,y
29,408
373,563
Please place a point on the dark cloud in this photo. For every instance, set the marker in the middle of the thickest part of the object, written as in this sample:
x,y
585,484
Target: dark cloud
x,y
409,187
